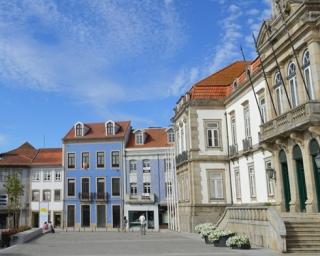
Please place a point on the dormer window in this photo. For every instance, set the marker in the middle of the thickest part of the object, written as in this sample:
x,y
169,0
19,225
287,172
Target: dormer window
x,y
235,85
110,128
79,129
170,134
139,138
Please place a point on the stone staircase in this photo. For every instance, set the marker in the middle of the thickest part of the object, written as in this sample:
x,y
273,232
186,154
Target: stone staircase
x,y
303,233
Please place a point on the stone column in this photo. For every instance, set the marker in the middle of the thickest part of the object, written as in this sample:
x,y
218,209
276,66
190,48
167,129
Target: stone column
x,y
294,203
311,204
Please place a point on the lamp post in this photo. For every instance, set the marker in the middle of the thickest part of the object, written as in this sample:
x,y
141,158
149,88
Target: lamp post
x,y
272,173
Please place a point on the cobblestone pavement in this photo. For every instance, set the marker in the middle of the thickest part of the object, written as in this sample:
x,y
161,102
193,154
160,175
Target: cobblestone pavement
x,y
116,243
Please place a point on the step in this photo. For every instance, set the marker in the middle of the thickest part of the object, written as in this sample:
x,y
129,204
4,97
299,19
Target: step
x,y
313,237
304,243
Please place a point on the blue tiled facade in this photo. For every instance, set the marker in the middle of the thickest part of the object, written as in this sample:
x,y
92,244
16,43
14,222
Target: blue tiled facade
x,y
96,199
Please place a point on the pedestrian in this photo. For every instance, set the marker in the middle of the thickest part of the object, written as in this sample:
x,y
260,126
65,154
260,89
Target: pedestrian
x,y
124,224
142,220
45,227
51,228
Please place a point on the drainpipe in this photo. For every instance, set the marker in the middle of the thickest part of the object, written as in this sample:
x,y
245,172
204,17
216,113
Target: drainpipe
x,y
225,116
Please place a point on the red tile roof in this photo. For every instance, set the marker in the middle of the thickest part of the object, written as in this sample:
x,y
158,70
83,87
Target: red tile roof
x,y
27,155
156,138
218,85
98,131
48,156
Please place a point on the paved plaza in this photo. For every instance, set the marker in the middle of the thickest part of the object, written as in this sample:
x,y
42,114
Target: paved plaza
x,y
118,243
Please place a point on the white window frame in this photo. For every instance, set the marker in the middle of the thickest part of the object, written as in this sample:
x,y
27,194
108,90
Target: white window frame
x,y
39,195
271,184
113,178
213,134
111,159
133,188
43,197
47,175
252,181
36,176
139,138
237,182
308,74
132,166
263,108
146,187
213,185
58,175
75,161
292,77
104,160
247,121
54,195
233,129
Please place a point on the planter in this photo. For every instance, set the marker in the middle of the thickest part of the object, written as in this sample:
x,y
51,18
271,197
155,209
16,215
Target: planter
x,y
222,241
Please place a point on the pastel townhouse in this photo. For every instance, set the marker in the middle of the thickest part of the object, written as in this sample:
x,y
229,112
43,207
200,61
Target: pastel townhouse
x,y
47,186
148,185
93,165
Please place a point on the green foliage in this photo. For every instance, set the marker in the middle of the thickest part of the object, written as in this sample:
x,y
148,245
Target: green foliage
x,y
15,190
217,234
238,241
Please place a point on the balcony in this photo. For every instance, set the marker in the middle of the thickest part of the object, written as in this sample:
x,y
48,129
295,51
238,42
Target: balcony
x,y
101,196
181,158
146,169
247,144
297,119
144,198
233,150
86,197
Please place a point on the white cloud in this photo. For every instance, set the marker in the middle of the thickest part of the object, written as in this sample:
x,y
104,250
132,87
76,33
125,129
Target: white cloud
x,y
3,139
44,46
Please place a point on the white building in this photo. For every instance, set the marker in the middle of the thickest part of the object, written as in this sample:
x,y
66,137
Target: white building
x,y
251,183
47,185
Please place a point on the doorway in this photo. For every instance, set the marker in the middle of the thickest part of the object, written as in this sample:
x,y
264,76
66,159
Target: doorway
x,y
57,219
35,219
314,151
101,216
297,156
85,216
116,216
285,180
71,215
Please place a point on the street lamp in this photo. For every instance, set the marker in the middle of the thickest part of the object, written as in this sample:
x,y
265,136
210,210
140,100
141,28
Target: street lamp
x,y
272,173
317,160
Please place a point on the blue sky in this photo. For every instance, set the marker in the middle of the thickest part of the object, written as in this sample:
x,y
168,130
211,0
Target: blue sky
x,y
73,60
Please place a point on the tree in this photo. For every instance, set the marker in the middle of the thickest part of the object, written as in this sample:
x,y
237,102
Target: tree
x,y
15,190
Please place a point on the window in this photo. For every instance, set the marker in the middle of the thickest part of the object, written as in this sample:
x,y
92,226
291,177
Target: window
x,y
71,187
216,186
85,160
100,188
35,176
146,188
100,159
279,92
4,175
307,74
71,160
293,84
168,187
133,189
146,165
133,166
57,195
270,180
139,138
167,165
115,186
182,139
252,182
233,130
78,130
47,176
171,136
235,85
213,133
110,128
35,195
237,183
58,176
247,128
263,109
46,196
115,161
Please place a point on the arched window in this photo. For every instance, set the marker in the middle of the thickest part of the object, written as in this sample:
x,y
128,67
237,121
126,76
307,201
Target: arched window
x,y
293,84
78,130
307,74
110,128
279,92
